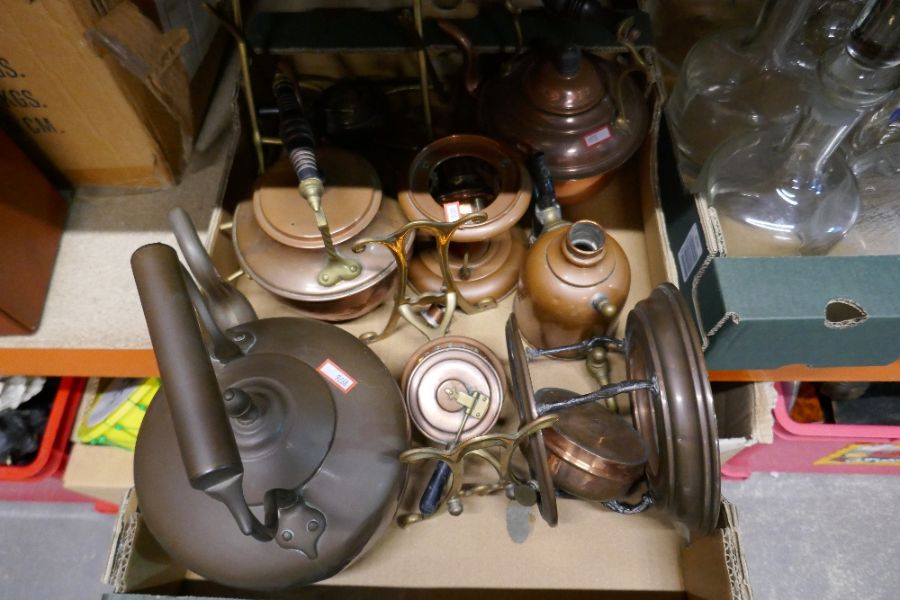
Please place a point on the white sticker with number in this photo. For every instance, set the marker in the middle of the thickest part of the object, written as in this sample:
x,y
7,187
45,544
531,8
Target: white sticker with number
x,y
336,375
597,137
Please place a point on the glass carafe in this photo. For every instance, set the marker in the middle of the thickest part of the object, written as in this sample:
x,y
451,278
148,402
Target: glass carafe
x,y
790,191
739,80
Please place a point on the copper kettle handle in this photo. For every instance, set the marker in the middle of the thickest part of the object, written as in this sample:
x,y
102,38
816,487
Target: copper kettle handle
x,y
471,80
206,441
227,306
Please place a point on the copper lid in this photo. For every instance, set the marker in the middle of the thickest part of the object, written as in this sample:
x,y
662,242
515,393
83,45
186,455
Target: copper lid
x,y
595,440
452,362
293,272
678,422
352,197
581,111
485,175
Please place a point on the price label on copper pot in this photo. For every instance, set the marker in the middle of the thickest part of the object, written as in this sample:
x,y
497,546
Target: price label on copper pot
x,y
336,375
598,136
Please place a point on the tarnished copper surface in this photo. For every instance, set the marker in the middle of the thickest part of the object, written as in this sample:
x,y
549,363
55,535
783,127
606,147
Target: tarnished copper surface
x,y
677,423
586,122
573,191
492,267
352,197
593,454
291,273
456,362
535,449
504,196
562,287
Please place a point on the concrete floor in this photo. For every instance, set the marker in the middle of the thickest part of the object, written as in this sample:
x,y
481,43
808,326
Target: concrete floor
x,y
817,537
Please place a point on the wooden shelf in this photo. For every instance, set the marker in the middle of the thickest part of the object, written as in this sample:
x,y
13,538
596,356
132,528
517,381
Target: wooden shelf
x,y
92,323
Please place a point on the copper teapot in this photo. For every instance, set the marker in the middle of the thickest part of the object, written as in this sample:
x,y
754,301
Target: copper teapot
x,y
269,458
585,114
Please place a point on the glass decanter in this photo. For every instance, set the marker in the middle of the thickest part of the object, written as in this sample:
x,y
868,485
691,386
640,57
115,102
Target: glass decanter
x,y
790,191
737,80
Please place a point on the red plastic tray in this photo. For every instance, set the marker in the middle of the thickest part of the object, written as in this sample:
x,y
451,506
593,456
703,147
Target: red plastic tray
x,y
52,451
819,448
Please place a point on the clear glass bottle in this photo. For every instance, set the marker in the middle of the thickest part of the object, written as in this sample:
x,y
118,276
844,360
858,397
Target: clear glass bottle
x,y
735,81
790,191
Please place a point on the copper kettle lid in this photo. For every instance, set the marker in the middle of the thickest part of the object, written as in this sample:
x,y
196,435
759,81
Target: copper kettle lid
x,y
293,272
678,422
563,83
351,200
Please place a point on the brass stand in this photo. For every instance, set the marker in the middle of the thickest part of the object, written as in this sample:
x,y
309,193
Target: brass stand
x,y
449,296
503,444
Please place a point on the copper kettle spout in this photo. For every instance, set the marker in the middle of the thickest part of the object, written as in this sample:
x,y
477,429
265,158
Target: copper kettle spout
x,y
471,81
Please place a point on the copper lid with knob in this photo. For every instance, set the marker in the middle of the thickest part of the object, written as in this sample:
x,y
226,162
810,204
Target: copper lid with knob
x,y
441,367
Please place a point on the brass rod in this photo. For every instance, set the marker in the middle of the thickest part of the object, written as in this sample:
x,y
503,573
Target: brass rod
x,y
423,69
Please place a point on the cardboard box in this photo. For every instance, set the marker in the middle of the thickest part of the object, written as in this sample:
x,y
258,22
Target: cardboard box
x,y
592,551
98,90
758,315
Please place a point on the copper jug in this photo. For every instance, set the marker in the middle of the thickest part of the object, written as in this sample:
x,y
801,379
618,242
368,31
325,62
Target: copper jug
x,y
269,458
574,283
583,112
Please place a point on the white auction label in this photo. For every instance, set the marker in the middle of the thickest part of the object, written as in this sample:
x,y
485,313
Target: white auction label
x,y
597,137
336,375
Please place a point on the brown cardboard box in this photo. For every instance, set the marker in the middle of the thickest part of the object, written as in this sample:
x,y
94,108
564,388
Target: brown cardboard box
x,y
98,90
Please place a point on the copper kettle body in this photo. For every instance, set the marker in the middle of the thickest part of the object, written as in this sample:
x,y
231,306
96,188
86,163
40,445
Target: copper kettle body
x,y
269,459
585,114
573,285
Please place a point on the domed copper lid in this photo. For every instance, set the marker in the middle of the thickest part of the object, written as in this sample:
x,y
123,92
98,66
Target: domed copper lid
x,y
582,112
352,197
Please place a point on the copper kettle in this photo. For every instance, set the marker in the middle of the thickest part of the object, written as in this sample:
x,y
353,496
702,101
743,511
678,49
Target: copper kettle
x,y
584,113
269,458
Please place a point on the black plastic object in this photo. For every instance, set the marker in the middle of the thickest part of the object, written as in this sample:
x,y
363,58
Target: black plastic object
x,y
568,60
545,191
584,10
435,488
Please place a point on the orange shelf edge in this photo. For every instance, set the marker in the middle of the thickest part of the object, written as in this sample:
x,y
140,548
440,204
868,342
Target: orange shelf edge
x,y
78,362
889,372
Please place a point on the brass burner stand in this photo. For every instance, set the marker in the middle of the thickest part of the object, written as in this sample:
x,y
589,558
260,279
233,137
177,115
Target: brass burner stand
x,y
504,445
449,296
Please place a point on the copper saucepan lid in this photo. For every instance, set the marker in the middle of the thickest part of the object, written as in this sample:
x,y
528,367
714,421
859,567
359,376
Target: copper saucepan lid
x,y
452,363
461,174
351,200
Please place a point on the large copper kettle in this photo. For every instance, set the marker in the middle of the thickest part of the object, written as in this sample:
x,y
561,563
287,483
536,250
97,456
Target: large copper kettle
x,y
269,458
585,114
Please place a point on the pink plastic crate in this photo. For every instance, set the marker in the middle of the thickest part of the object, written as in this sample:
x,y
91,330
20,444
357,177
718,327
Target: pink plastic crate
x,y
819,448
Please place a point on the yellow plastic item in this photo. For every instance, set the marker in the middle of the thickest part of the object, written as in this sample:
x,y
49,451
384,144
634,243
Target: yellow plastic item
x,y
115,414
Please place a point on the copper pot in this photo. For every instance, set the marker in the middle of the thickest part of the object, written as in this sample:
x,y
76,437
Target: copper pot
x,y
459,175
278,244
583,112
574,283
592,453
